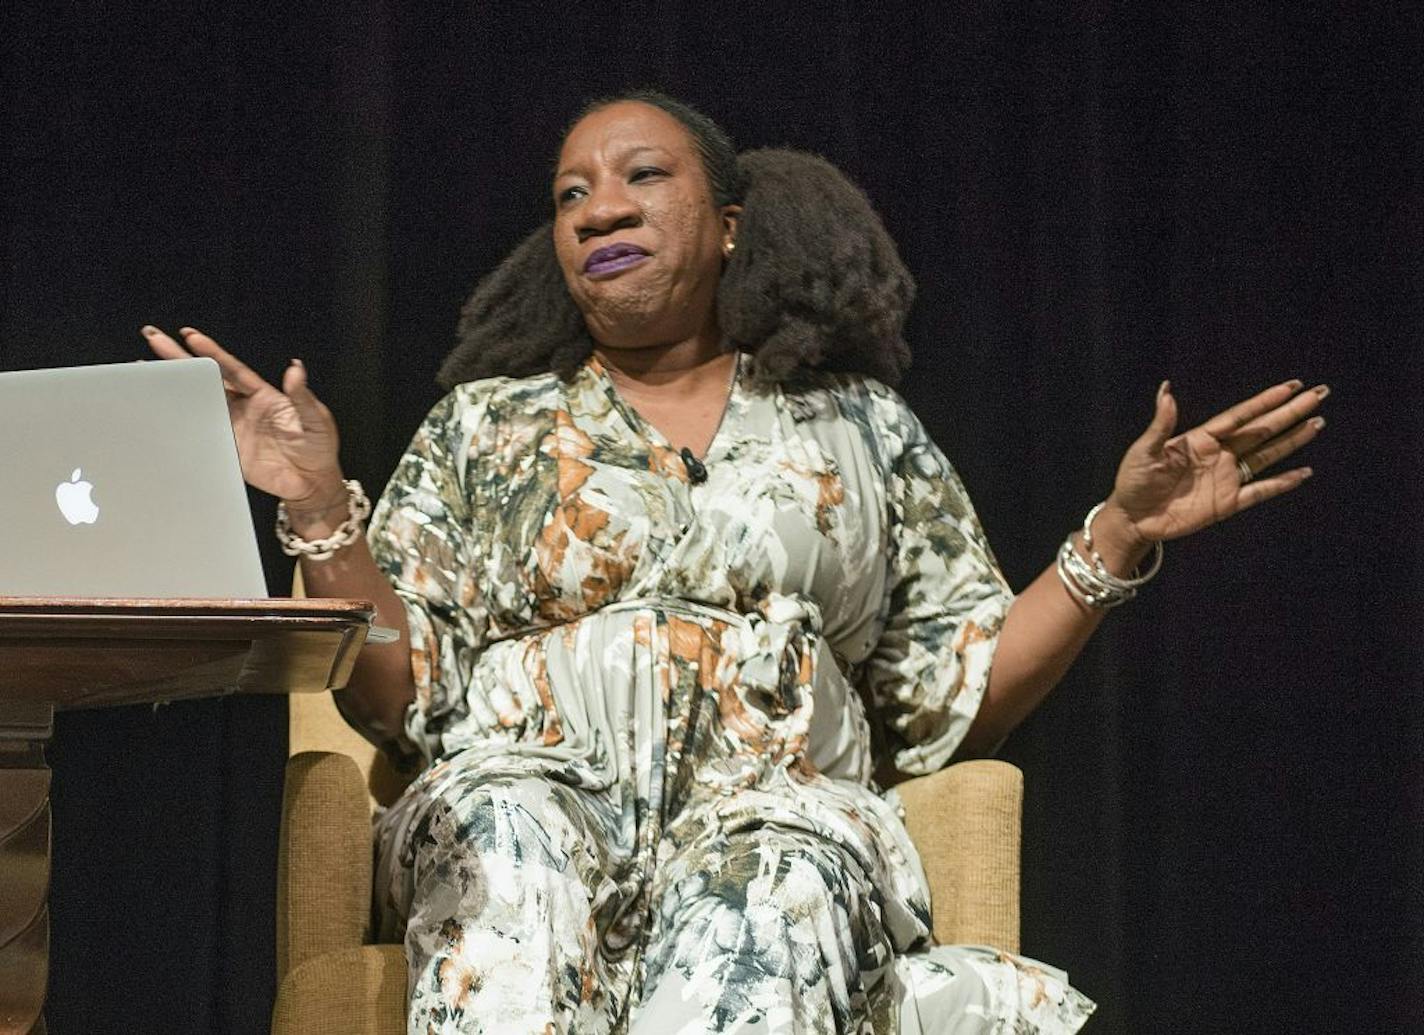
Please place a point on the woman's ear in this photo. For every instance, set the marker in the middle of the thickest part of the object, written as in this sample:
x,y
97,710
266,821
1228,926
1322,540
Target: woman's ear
x,y
731,214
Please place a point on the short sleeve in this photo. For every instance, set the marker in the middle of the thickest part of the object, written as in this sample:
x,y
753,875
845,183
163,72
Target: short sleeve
x,y
945,604
420,538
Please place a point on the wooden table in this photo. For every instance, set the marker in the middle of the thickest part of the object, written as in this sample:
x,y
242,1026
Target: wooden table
x,y
57,654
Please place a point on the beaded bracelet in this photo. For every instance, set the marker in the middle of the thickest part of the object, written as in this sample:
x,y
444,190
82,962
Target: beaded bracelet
x,y
358,509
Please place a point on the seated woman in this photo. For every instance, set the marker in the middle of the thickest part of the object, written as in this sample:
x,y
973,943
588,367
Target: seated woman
x,y
674,573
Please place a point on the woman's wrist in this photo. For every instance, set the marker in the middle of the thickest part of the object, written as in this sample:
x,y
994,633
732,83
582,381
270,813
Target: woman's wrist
x,y
306,539
1117,541
320,512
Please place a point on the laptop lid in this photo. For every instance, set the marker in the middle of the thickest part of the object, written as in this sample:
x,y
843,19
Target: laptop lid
x,y
123,481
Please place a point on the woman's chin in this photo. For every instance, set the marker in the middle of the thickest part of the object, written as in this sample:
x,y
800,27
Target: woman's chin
x,y
637,313
629,325
630,344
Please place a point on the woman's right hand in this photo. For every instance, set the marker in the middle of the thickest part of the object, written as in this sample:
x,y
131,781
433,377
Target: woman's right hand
x,y
287,442
286,439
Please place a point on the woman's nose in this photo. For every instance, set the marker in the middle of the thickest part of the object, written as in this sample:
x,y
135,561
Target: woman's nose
x,y
607,208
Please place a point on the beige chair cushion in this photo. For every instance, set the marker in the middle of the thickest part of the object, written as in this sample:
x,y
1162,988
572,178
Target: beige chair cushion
x,y
324,859
966,822
357,991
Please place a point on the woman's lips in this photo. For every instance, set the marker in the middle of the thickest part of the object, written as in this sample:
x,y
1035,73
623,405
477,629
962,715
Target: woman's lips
x,y
613,259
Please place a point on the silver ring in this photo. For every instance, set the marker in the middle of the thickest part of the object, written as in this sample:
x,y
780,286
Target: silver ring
x,y
1244,470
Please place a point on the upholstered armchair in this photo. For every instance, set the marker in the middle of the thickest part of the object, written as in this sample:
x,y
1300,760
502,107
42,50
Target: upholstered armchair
x,y
965,821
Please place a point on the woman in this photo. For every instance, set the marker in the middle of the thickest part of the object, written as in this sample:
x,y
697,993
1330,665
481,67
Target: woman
x,y
655,595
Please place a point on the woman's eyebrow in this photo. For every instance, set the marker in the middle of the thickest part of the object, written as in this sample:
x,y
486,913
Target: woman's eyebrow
x,y
637,149
617,157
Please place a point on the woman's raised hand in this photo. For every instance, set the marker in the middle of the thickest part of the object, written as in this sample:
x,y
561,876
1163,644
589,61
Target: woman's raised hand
x,y
286,439
1171,485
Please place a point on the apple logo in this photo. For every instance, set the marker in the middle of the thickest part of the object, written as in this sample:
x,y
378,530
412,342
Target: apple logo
x,y
74,502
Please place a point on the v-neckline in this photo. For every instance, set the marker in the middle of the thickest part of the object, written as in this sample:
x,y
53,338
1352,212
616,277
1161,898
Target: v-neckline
x,y
646,429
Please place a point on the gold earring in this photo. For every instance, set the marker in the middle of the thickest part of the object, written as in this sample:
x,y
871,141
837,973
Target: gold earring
x,y
731,247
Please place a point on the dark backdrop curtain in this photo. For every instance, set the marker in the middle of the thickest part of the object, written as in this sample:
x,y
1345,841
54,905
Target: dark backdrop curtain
x,y
1224,799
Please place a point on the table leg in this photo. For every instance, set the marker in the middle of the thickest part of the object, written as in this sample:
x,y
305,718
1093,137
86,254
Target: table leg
x,y
25,728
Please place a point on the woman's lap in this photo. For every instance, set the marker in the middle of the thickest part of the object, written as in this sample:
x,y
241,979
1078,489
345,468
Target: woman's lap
x,y
510,899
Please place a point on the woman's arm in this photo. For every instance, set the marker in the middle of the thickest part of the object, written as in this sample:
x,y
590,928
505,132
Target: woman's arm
x,y
287,445
1043,633
1167,487
381,685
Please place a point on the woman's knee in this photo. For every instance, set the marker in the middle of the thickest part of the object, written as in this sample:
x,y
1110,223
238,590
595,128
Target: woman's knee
x,y
500,852
500,916
775,915
525,819
786,873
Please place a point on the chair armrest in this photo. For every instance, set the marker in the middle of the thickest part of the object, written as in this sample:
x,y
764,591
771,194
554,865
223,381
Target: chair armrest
x,y
349,992
966,822
324,859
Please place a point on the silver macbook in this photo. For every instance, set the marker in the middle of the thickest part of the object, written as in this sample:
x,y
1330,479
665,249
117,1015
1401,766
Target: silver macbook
x,y
123,481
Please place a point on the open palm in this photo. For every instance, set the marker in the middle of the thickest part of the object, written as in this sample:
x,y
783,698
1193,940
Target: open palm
x,y
286,439
1172,485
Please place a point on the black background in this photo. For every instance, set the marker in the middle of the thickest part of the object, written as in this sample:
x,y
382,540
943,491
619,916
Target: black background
x,y
1224,825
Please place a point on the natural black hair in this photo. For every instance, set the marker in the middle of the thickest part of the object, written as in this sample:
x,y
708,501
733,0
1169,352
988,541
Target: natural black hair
x,y
814,282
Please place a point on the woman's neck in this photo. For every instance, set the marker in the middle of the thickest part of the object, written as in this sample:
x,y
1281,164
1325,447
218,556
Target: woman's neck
x,y
681,391
684,365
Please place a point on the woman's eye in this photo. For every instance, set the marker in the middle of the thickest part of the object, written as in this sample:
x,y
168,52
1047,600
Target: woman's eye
x,y
568,194
644,173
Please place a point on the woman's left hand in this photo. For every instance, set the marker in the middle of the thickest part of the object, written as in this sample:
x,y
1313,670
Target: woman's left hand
x,y
1171,485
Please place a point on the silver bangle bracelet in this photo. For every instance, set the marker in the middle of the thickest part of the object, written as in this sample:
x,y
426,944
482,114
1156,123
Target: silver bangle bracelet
x,y
1131,582
358,509
1092,583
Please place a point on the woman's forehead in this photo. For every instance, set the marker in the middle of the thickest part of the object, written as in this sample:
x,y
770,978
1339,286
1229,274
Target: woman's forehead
x,y
615,131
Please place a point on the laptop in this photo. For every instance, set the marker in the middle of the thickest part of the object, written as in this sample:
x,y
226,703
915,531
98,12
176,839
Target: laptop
x,y
122,481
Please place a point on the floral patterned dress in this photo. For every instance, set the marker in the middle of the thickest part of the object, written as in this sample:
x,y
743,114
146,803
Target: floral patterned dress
x,y
652,708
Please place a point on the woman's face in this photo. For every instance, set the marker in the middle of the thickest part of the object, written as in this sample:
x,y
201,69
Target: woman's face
x,y
639,240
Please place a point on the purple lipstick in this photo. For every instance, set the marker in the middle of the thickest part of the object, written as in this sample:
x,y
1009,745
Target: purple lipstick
x,y
613,258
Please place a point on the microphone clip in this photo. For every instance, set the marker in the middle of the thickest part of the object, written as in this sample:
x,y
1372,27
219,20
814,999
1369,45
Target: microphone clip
x,y
696,469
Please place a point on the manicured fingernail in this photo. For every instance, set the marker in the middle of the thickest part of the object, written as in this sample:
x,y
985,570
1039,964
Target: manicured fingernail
x,y
1319,422
1295,384
185,331
1322,391
1164,388
148,330
1306,472
298,363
